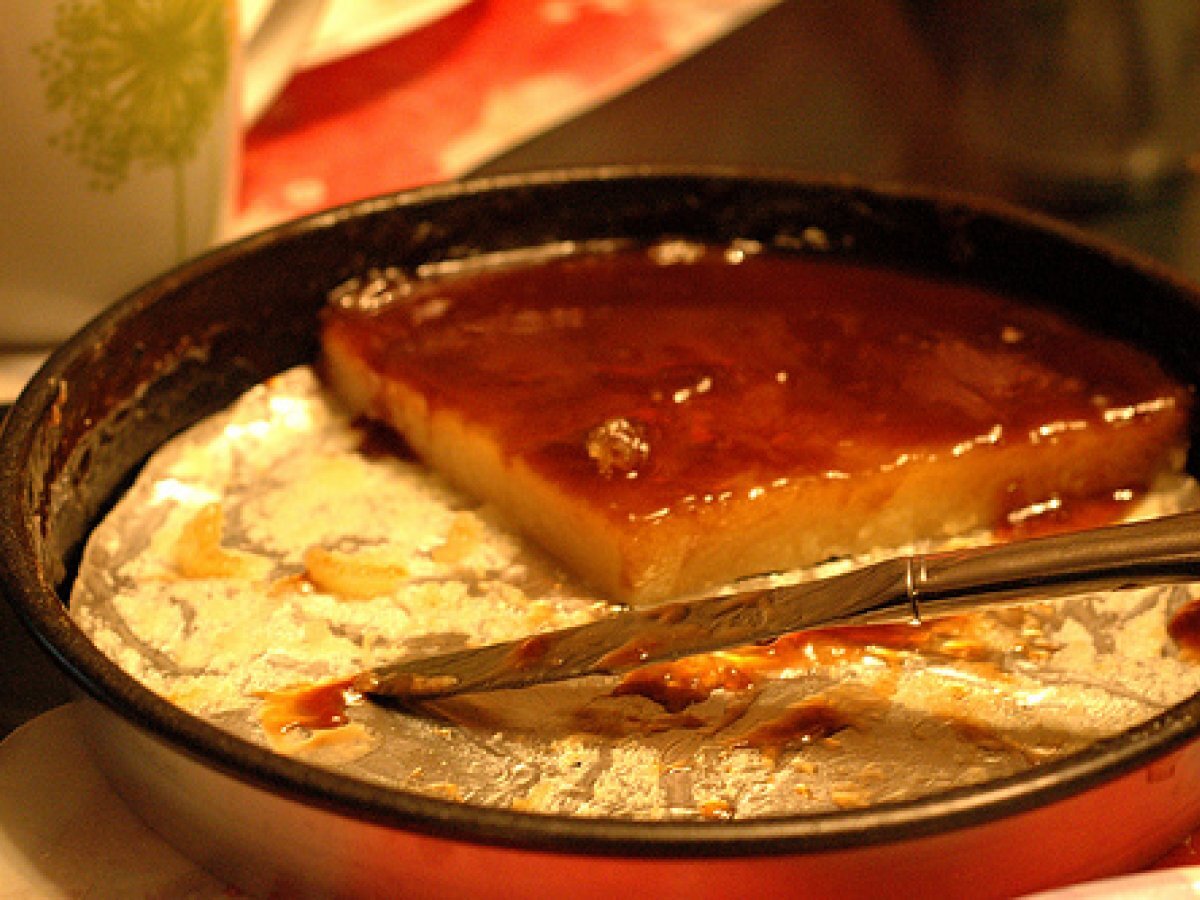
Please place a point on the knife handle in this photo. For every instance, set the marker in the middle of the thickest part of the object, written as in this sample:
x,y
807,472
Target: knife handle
x,y
1164,549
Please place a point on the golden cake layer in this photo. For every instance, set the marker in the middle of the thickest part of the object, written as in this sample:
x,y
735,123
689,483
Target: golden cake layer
x,y
666,420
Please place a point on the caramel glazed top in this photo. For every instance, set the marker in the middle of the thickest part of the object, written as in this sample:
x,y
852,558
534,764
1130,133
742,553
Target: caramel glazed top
x,y
656,379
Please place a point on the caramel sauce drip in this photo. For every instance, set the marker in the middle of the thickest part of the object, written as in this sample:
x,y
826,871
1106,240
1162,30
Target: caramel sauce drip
x,y
648,387
314,707
716,810
802,723
679,684
1184,628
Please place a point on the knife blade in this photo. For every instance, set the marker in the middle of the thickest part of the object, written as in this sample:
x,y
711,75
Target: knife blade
x,y
1166,549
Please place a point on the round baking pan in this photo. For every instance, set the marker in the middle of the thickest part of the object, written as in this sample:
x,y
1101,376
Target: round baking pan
x,y
186,344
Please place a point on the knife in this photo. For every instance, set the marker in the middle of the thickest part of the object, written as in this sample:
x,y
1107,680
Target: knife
x,y
1161,550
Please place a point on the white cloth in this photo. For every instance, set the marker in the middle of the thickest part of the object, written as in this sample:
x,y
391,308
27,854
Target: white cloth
x,y
65,833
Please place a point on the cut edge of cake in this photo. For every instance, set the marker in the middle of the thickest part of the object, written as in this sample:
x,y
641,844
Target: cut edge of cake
x,y
795,525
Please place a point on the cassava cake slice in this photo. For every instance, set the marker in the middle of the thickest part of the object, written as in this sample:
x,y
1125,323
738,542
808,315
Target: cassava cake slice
x,y
665,420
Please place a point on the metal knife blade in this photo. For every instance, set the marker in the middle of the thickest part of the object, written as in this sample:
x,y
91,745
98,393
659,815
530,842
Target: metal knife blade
x,y
1158,550
630,639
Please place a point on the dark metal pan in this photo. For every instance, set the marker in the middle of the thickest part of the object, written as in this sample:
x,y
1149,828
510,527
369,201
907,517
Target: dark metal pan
x,y
186,344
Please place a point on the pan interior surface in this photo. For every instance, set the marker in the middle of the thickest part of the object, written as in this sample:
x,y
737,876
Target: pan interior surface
x,y
263,559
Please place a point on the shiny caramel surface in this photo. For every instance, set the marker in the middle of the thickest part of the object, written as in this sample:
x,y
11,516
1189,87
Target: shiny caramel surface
x,y
655,380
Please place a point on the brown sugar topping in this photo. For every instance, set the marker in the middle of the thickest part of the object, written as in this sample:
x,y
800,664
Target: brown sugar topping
x,y
654,388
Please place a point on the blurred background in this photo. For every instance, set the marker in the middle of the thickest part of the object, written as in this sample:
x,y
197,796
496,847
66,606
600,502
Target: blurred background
x,y
1087,109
